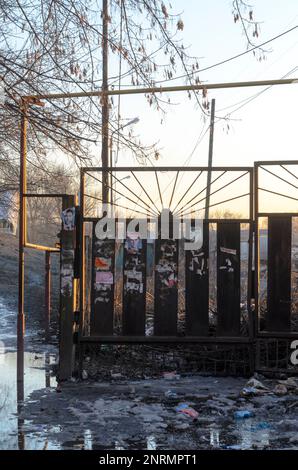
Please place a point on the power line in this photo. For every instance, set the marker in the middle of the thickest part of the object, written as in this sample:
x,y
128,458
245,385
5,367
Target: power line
x,y
247,100
217,64
234,57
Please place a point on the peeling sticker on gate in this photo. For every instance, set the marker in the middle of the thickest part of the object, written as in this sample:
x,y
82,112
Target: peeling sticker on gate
x,y
103,264
103,277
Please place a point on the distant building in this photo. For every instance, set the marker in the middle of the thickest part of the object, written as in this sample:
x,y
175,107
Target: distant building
x,y
8,212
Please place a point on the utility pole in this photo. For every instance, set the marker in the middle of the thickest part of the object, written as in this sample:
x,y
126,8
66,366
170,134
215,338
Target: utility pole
x,y
105,103
47,317
22,239
210,157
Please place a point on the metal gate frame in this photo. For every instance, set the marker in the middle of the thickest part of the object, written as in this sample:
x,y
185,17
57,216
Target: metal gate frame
x,y
273,341
242,340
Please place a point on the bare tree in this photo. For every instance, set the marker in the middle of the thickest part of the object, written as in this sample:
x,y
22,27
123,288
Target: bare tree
x,y
56,45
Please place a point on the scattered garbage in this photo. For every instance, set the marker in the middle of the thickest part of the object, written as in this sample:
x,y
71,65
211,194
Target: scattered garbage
x,y
150,331
256,384
171,375
280,390
84,375
187,410
171,394
260,426
243,414
232,447
291,383
292,405
182,426
251,392
116,375
254,387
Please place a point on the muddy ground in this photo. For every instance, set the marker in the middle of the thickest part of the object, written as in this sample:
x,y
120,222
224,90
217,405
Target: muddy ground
x,y
143,415
117,412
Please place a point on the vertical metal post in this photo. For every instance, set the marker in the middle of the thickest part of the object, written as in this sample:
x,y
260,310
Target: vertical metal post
x,y
22,238
47,294
67,296
251,317
111,165
82,254
47,370
256,240
105,103
210,157
250,254
82,306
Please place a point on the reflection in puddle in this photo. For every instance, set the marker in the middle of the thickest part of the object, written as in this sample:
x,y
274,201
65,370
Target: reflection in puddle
x,y
151,443
214,438
253,434
87,440
8,329
118,446
36,378
249,434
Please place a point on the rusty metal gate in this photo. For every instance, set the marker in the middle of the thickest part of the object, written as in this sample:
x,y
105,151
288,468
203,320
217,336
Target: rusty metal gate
x,y
139,290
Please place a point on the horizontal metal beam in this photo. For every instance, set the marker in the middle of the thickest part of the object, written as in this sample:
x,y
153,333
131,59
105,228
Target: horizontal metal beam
x,y
210,221
277,214
165,89
44,195
163,339
167,168
42,247
277,335
276,162
270,370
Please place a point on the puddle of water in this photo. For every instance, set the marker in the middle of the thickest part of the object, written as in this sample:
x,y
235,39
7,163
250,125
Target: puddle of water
x,y
214,438
151,443
249,434
7,323
88,440
36,378
253,434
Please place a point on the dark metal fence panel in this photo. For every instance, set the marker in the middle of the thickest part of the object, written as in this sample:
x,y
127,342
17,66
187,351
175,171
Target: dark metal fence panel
x,y
197,288
103,284
278,315
134,285
228,278
166,287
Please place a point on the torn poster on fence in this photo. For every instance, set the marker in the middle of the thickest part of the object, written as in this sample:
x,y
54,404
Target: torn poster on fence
x,y
198,264
66,285
103,264
134,287
165,267
103,277
68,218
103,288
133,245
137,275
170,282
228,266
102,299
229,251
